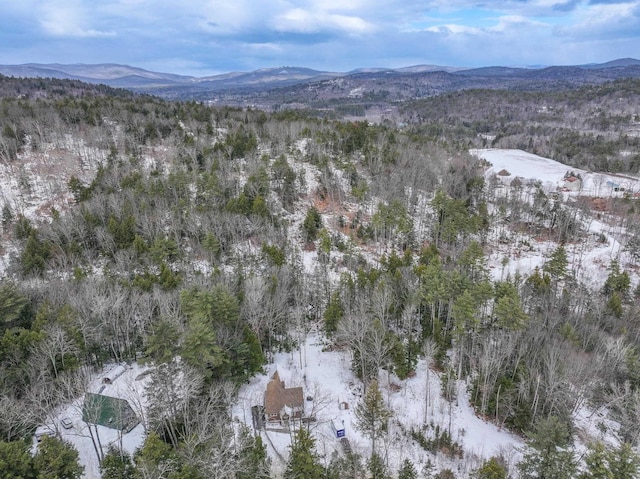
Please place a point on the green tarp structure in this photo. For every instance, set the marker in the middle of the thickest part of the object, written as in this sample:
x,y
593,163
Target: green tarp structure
x,y
108,411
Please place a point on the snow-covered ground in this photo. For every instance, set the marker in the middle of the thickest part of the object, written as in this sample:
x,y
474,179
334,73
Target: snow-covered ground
x,y
326,375
551,173
327,378
587,259
38,180
128,385
588,256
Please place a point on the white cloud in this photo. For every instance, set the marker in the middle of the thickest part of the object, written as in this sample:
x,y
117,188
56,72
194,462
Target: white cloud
x,y
71,30
509,23
605,22
454,29
69,20
350,24
225,35
298,20
340,5
266,47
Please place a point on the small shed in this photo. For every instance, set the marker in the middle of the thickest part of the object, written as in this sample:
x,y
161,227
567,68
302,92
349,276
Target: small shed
x,y
338,427
114,374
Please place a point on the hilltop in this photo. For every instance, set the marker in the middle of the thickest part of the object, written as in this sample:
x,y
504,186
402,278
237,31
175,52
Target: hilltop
x,y
269,86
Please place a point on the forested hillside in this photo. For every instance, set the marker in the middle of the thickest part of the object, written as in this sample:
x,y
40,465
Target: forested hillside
x,y
198,243
595,127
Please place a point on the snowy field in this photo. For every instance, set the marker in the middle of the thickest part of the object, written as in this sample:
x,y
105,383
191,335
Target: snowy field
x,y
128,385
551,173
326,377
588,257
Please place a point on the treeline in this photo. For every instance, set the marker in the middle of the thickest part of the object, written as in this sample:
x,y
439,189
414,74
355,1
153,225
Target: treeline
x,y
593,127
12,87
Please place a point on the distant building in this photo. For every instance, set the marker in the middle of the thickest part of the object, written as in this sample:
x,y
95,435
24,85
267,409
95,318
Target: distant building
x,y
614,186
114,413
282,404
572,183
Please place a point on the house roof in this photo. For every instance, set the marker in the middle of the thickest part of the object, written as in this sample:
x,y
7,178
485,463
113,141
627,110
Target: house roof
x,y
571,179
276,397
114,413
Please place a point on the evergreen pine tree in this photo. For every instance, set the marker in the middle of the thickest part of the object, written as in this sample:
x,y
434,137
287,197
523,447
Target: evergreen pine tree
x,y
345,466
12,305
57,459
117,465
596,463
15,460
35,255
253,455
548,456
155,457
407,470
162,343
491,469
377,467
557,264
312,224
333,314
624,462
617,281
199,347
371,414
303,461
509,313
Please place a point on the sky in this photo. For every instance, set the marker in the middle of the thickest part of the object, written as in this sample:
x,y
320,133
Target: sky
x,y
206,37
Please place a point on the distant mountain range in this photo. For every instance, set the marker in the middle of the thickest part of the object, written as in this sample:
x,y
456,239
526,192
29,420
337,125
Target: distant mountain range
x,y
304,84
125,76
107,73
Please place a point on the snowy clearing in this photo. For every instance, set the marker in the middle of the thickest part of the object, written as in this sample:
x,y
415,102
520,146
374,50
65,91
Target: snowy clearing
x,y
588,257
328,382
551,173
129,384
